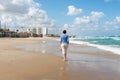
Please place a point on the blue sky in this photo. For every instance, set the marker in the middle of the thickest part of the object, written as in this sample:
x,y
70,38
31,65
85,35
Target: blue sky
x,y
57,8
78,17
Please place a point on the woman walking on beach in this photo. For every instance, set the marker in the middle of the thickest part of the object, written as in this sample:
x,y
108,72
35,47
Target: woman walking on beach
x,y
64,41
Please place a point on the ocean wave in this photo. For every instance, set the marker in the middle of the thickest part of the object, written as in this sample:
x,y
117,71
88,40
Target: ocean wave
x,y
102,47
116,38
103,38
87,37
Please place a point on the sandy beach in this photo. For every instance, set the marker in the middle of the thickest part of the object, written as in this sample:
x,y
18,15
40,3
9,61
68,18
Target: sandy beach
x,y
41,59
16,64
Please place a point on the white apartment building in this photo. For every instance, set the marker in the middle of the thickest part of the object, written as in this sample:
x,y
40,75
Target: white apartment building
x,y
39,31
44,31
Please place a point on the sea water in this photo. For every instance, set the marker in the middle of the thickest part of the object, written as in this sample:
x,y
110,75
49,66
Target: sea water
x,y
107,43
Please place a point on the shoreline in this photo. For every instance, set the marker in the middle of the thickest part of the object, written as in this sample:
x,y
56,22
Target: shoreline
x,y
114,50
41,59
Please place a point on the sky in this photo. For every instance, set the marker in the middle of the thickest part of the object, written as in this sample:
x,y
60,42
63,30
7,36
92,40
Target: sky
x,y
78,17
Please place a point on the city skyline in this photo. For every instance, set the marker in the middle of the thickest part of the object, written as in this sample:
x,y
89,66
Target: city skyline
x,y
78,17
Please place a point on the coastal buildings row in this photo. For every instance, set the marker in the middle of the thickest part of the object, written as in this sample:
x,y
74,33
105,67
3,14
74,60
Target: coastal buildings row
x,y
8,33
42,31
31,32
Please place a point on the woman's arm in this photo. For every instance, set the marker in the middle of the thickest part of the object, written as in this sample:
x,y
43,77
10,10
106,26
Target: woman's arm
x,y
68,40
60,40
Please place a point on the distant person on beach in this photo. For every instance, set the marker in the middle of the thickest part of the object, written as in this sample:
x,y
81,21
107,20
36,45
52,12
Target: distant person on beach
x,y
64,41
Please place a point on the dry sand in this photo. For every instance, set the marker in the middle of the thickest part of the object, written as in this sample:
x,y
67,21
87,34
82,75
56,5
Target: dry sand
x,y
16,64
30,63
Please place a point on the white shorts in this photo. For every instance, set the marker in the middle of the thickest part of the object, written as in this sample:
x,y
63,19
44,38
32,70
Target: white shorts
x,y
64,48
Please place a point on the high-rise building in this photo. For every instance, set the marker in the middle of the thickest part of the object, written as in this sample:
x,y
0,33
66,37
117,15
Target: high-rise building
x,y
33,30
44,31
38,31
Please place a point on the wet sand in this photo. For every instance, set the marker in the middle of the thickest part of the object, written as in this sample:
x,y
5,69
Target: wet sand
x,y
41,59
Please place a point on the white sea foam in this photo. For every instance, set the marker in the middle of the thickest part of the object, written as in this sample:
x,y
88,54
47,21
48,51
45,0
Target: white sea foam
x,y
103,47
116,38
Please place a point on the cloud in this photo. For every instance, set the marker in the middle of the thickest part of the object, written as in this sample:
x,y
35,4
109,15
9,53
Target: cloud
x,y
107,0
92,24
111,0
15,7
1,7
24,13
66,26
115,21
95,16
86,24
84,19
113,25
72,10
